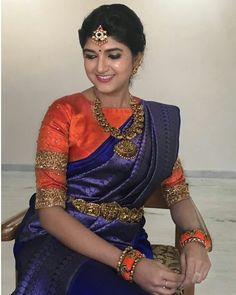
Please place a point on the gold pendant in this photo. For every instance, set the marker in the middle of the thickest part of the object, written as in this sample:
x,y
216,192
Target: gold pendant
x,y
126,149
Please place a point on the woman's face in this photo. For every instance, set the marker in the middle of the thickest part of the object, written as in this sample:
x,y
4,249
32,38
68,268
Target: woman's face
x,y
109,66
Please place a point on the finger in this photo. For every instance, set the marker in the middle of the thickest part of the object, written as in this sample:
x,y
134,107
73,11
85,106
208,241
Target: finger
x,y
188,277
165,291
200,275
183,263
206,270
173,277
205,273
170,284
197,277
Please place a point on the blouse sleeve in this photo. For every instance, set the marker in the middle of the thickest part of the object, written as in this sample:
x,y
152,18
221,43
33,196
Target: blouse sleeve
x,y
52,157
174,188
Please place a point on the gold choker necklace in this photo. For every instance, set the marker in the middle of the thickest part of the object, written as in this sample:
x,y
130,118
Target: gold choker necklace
x,y
125,148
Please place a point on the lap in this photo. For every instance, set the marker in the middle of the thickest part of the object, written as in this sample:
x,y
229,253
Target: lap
x,y
96,278
48,267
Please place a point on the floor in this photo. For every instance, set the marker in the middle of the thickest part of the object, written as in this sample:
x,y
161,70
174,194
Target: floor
x,y
215,198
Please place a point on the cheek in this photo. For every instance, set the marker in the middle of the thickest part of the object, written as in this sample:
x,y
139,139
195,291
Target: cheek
x,y
123,66
87,66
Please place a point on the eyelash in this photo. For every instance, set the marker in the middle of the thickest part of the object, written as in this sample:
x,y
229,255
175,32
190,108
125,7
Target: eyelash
x,y
89,56
111,56
115,56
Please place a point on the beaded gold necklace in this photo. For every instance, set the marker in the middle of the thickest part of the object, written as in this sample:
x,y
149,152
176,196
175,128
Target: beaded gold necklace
x,y
125,148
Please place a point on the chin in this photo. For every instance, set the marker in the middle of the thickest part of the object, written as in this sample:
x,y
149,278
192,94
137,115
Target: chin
x,y
105,88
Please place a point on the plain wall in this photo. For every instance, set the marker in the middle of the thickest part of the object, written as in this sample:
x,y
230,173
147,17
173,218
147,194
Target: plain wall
x,y
190,61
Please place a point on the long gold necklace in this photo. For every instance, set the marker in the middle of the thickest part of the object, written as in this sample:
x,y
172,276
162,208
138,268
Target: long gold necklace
x,y
125,148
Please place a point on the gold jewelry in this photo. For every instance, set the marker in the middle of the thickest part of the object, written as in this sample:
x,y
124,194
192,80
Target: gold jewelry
x,y
122,256
127,263
135,69
125,148
99,36
109,211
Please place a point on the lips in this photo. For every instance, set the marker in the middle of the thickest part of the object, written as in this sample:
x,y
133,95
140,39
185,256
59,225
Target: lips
x,y
104,78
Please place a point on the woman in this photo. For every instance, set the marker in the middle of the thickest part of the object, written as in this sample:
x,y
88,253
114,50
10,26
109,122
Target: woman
x,y
100,155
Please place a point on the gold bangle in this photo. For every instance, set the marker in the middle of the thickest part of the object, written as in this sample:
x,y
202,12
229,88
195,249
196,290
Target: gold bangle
x,y
129,263
122,256
137,260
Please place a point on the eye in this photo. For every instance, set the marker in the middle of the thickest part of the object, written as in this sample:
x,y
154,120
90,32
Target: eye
x,y
114,55
89,55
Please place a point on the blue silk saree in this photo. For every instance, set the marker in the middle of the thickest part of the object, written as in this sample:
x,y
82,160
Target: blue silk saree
x,y
46,266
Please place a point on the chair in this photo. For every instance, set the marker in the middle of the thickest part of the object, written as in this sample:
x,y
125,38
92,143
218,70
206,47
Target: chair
x,y
166,254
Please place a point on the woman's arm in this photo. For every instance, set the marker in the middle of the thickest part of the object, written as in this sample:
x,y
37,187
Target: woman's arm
x,y
77,237
186,216
195,262
183,210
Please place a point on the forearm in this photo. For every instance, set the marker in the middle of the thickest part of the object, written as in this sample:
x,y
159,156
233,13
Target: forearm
x,y
186,216
77,237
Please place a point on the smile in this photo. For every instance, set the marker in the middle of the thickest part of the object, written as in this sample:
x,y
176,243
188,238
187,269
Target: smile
x,y
104,78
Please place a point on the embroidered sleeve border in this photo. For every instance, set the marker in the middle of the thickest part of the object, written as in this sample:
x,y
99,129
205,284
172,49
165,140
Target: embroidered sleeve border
x,y
51,160
50,197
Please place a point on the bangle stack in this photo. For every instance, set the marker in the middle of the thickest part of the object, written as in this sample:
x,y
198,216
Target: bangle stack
x,y
196,235
127,263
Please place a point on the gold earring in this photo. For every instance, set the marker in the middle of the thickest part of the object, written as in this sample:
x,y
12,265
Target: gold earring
x,y
135,68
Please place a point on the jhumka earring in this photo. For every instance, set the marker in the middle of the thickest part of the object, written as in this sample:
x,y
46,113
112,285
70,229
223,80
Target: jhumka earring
x,y
99,36
135,69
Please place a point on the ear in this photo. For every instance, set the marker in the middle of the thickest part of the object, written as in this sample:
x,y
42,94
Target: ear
x,y
137,60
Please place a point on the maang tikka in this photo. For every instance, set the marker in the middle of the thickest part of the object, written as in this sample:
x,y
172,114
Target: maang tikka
x,y
99,36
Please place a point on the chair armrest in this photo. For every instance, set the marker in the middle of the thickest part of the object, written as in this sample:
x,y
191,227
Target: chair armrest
x,y
9,227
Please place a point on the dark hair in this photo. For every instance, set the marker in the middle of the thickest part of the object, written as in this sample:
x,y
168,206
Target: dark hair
x,y
120,22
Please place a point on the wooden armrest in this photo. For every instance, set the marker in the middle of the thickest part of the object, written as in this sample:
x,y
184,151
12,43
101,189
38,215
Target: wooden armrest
x,y
9,227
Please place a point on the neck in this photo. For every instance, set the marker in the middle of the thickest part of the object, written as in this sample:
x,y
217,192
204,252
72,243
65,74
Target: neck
x,y
118,100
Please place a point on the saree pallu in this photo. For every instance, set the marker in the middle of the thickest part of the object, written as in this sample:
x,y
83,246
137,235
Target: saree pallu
x,y
46,266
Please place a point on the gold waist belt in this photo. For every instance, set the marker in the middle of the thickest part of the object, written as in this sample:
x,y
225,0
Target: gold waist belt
x,y
109,211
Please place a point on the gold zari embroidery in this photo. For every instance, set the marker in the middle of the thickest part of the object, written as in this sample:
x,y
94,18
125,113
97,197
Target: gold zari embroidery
x,y
177,164
176,193
109,211
50,197
51,160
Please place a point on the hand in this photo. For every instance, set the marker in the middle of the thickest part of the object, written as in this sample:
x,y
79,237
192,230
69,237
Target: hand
x,y
156,278
195,263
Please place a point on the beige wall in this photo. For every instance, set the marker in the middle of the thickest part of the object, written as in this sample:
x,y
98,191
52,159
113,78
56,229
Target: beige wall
x,y
190,61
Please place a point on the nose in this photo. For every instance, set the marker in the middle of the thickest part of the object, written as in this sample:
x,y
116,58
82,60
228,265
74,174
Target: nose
x,y
102,64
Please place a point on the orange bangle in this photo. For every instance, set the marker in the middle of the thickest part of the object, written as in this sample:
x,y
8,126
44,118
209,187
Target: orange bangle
x,y
122,256
196,235
128,264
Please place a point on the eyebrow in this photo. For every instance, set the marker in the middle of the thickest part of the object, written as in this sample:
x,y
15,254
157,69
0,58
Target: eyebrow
x,y
107,50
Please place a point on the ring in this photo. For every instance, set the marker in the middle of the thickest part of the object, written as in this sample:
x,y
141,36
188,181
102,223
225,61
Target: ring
x,y
165,286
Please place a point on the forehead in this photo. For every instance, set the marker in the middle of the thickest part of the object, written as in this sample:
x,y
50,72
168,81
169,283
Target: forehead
x,y
110,44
